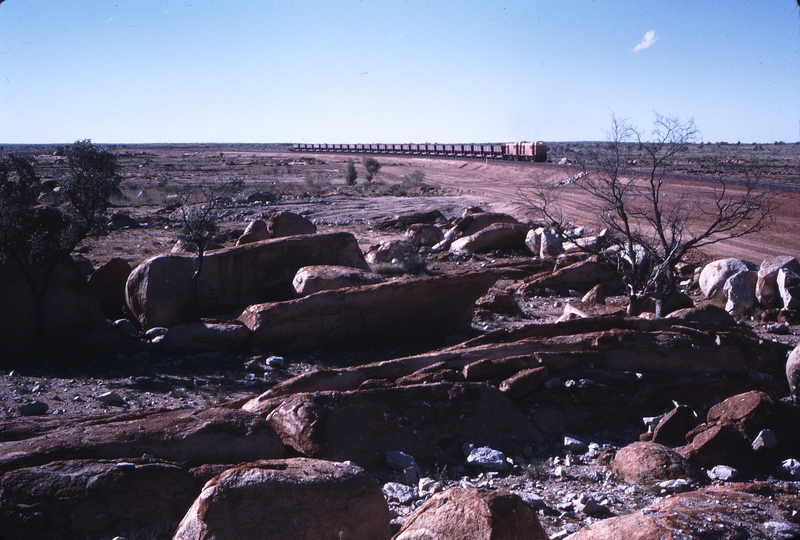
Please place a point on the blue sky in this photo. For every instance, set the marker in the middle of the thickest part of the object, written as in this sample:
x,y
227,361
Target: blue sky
x,y
394,70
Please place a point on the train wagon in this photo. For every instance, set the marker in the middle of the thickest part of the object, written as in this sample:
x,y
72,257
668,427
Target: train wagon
x,y
514,151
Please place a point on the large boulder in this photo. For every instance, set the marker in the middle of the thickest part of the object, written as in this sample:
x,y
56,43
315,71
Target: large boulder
x,y
108,285
716,273
93,498
215,435
549,244
793,373
767,284
283,224
496,236
740,293
428,308
429,422
197,337
159,290
312,279
755,512
581,276
409,219
648,463
477,514
474,222
255,232
295,498
421,235
706,314
393,252
671,430
789,288
70,311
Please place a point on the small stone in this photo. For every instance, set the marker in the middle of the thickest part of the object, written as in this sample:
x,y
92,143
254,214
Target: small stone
x,y
126,328
401,493
487,459
781,530
178,392
590,507
532,500
400,461
110,398
778,328
155,332
791,467
34,408
575,445
429,486
254,365
723,472
679,485
766,438
275,362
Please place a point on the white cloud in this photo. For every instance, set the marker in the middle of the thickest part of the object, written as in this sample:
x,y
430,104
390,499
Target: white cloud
x,y
648,39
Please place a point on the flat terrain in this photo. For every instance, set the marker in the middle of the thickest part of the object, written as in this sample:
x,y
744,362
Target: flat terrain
x,y
313,185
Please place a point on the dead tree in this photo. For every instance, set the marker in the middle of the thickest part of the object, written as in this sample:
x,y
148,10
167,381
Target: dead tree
x,y
654,228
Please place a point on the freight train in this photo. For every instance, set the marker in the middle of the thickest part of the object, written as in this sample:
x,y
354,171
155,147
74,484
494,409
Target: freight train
x,y
516,151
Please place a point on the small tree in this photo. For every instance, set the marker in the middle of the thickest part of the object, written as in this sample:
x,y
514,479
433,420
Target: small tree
x,y
350,173
91,181
371,167
199,216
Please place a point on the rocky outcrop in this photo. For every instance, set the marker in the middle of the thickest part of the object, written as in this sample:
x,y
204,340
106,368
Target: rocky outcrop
x,y
293,498
576,375
93,498
477,514
312,279
388,313
429,422
648,463
753,511
729,434
159,290
214,435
